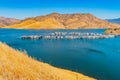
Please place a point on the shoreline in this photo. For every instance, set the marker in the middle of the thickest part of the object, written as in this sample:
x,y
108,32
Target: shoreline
x,y
55,29
20,67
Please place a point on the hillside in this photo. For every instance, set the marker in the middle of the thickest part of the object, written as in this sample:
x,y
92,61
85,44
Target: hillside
x,y
16,65
114,20
8,21
63,21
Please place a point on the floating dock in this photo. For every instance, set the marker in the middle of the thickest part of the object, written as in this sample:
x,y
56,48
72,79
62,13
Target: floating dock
x,y
69,36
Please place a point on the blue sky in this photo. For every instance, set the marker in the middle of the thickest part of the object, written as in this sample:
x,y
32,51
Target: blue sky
x,y
21,9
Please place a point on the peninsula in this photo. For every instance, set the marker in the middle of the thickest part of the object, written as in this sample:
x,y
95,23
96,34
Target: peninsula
x,y
115,31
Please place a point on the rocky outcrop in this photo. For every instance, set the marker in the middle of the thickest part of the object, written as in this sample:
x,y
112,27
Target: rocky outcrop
x,y
63,21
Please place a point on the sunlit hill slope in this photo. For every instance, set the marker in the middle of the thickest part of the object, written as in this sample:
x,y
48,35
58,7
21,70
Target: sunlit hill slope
x,y
16,65
63,21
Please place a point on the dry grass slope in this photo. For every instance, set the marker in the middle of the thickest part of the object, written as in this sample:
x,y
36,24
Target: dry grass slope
x,y
63,21
16,65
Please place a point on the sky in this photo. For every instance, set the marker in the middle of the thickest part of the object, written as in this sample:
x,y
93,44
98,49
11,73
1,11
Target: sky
x,y
20,9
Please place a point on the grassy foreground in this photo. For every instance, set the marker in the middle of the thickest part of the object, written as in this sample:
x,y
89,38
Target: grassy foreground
x,y
16,65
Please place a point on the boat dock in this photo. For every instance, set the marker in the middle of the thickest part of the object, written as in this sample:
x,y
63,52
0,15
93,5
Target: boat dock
x,y
69,36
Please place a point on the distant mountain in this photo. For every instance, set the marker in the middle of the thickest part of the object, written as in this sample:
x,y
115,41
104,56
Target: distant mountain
x,y
63,21
114,20
8,21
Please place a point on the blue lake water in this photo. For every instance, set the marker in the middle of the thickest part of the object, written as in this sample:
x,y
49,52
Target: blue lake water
x,y
98,58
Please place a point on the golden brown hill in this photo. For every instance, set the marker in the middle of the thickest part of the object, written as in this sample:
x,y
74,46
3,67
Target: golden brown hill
x,y
8,21
113,31
16,65
63,21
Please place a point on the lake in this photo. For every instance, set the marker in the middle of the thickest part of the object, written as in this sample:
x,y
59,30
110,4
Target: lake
x,y
98,58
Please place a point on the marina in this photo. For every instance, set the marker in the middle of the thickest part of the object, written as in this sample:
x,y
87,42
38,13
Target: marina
x,y
69,36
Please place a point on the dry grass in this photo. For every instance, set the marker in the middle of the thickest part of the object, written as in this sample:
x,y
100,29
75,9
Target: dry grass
x,y
63,21
50,23
16,65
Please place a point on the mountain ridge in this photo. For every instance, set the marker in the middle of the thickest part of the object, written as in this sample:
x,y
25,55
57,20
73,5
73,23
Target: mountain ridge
x,y
8,21
116,20
63,21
